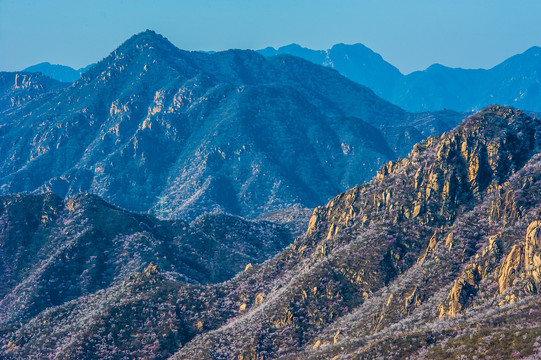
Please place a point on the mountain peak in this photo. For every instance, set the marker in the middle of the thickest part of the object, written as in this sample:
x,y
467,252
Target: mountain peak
x,y
496,116
533,51
136,53
146,40
156,108
147,34
58,72
436,67
356,46
292,46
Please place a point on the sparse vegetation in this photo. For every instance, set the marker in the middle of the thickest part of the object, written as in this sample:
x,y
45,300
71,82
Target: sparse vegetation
x,y
439,256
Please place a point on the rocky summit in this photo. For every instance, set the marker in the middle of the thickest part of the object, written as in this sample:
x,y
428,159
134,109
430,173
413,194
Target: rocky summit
x,y
437,257
155,128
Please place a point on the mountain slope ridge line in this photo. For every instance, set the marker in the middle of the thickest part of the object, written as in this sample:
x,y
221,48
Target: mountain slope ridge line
x,y
206,133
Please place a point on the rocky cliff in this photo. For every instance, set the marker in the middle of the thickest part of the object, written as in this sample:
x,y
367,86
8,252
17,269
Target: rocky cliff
x,y
18,88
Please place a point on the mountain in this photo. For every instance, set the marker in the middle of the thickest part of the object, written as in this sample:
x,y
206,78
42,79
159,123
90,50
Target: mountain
x,y
58,72
54,250
514,82
18,88
439,248
153,127
356,62
437,257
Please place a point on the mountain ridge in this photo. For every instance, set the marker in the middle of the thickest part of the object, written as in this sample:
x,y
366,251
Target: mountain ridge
x,y
439,248
94,245
58,72
435,88
206,132
512,82
435,255
17,89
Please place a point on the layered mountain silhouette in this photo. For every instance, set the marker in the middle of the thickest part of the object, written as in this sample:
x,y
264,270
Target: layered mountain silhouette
x,y
514,82
53,251
356,62
152,127
58,72
437,257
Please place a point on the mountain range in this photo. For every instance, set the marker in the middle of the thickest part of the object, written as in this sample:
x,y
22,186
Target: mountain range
x,y
437,257
155,128
513,82
356,62
235,205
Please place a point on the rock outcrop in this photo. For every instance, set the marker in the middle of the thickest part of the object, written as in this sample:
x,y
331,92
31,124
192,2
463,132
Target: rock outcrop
x,y
19,88
523,264
440,174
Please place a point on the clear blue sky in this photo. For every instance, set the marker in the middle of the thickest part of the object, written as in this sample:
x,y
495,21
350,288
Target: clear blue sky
x,y
410,34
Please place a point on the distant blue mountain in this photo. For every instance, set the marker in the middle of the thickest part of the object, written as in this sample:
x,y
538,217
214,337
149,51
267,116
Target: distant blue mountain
x,y
515,82
58,72
356,62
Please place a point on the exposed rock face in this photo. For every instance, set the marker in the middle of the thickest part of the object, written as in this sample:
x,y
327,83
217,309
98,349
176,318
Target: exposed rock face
x,y
443,173
154,128
533,250
523,264
518,271
466,286
18,88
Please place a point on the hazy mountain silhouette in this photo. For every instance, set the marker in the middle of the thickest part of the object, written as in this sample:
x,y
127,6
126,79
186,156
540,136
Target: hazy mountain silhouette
x,y
514,82
61,73
356,62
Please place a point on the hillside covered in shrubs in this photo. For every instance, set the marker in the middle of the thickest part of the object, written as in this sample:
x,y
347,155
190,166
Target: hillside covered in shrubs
x,y
437,257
